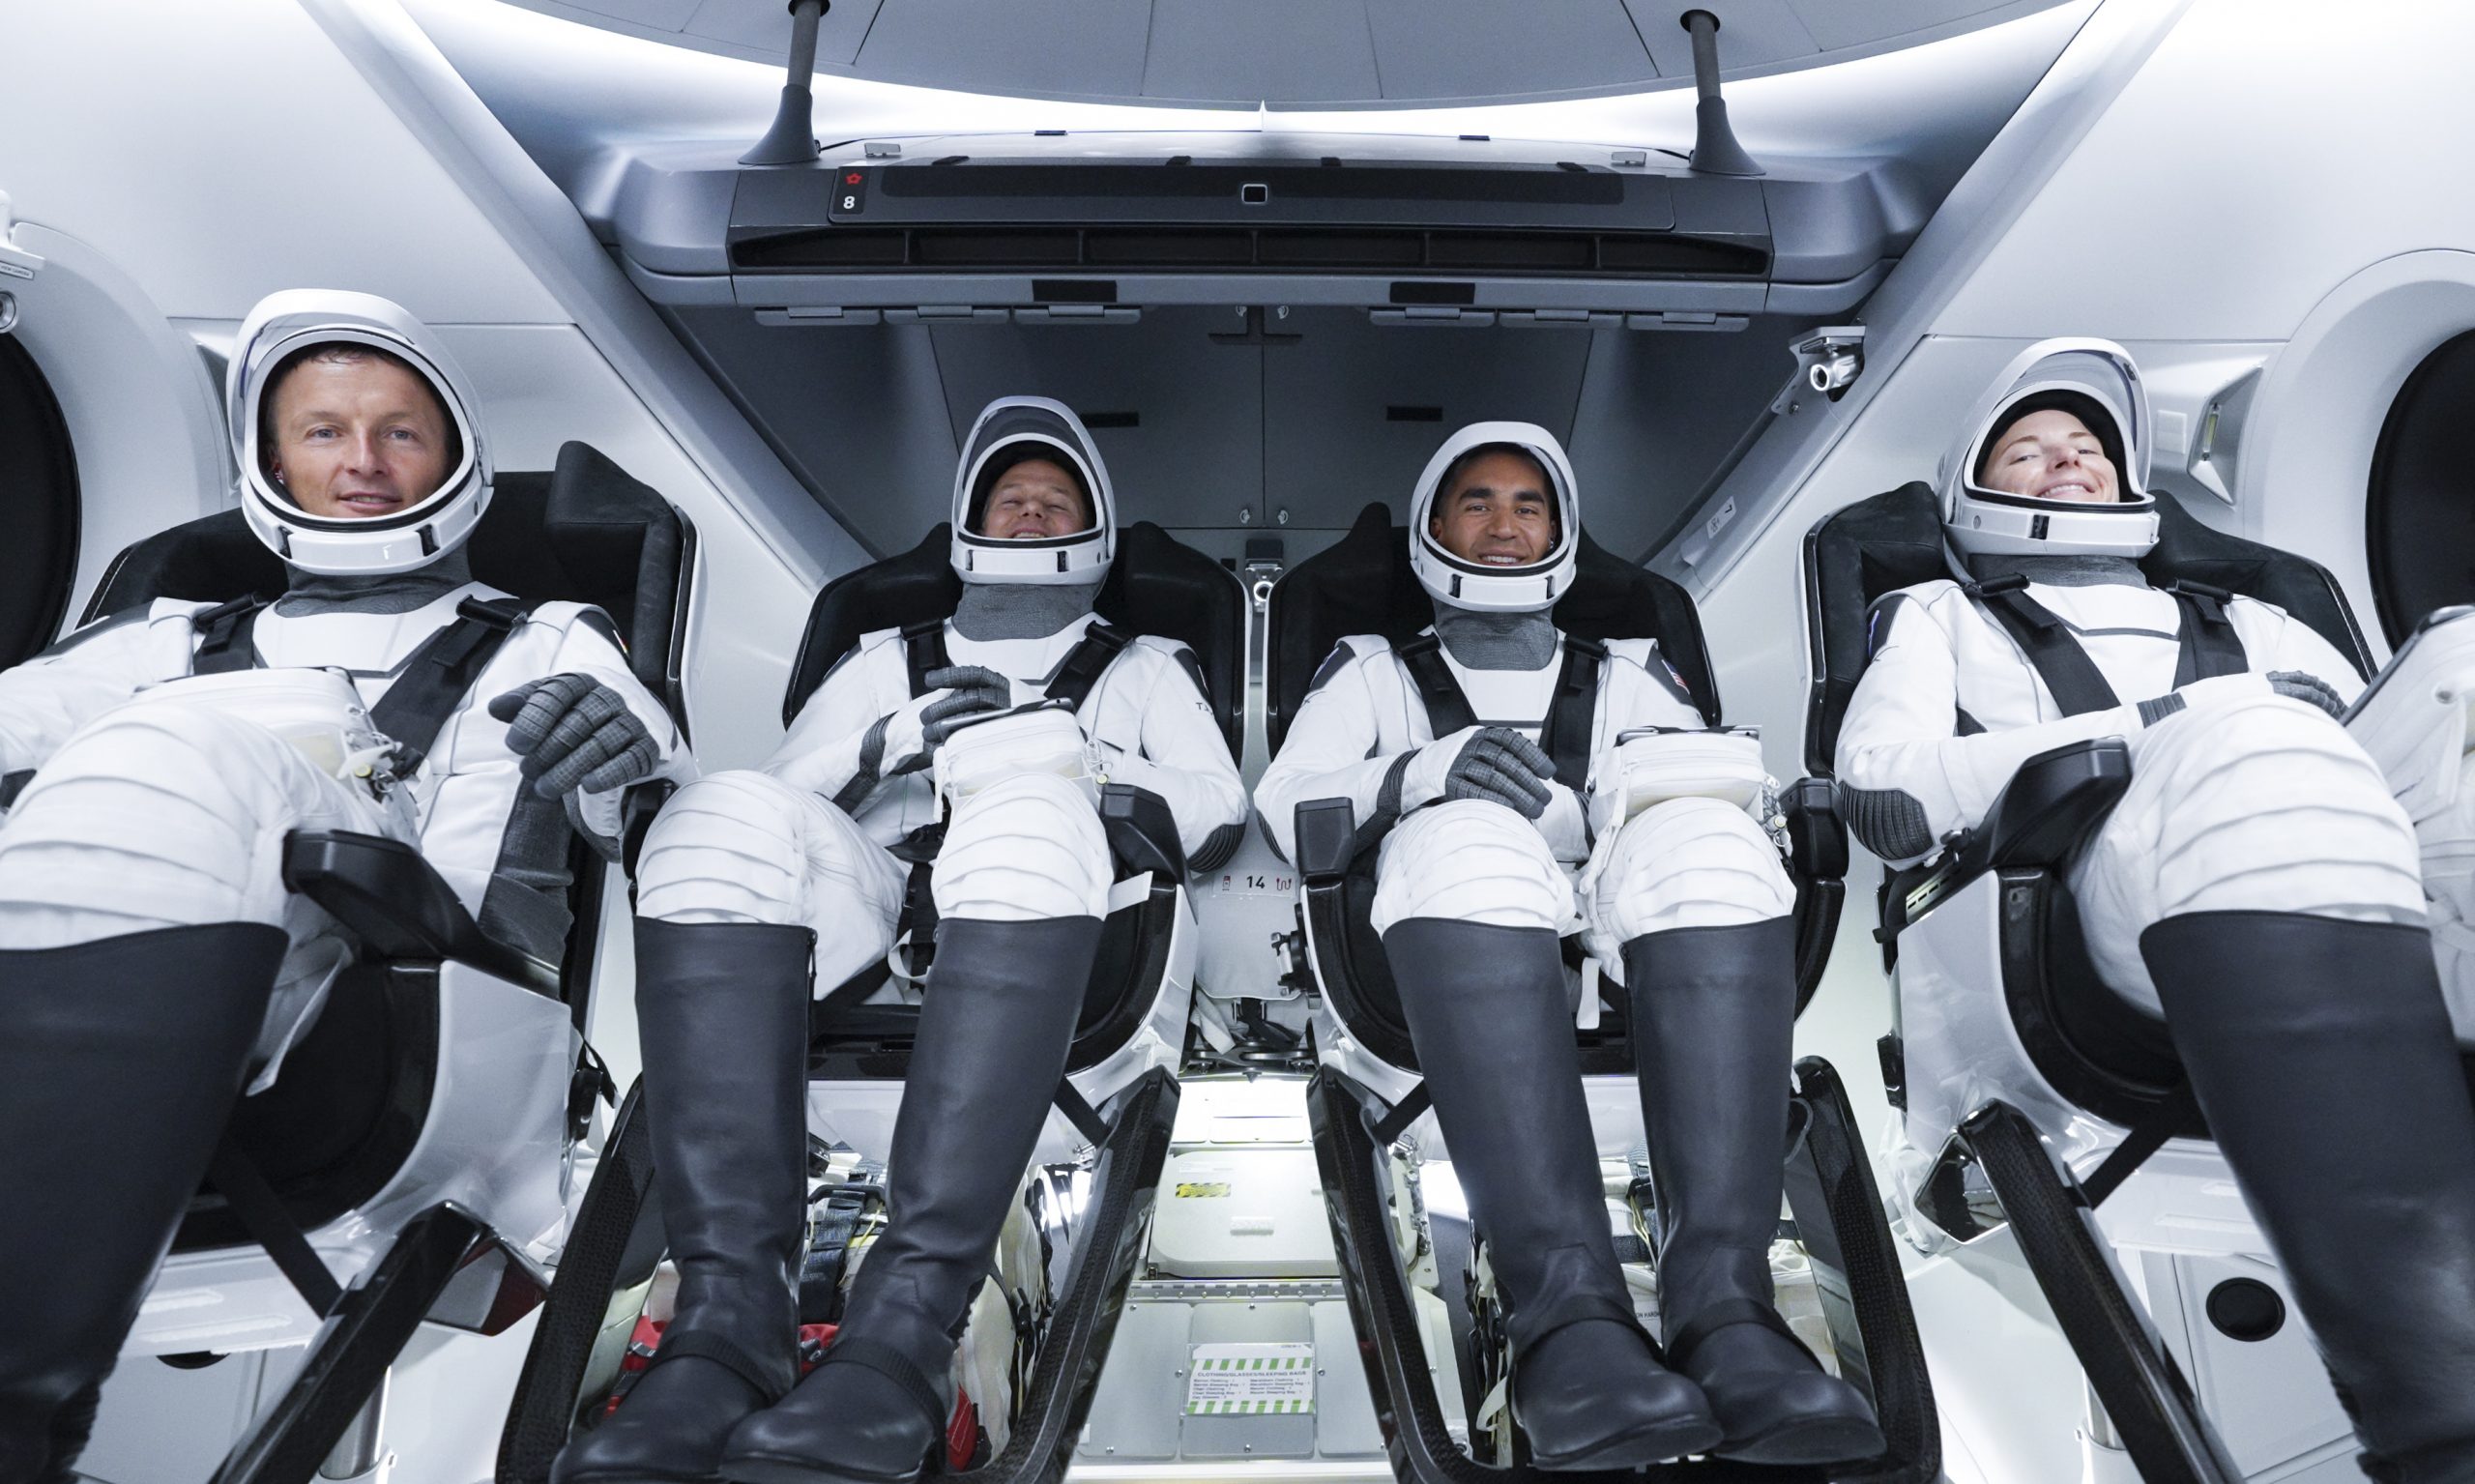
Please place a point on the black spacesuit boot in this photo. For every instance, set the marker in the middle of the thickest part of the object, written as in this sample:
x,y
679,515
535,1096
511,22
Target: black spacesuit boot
x,y
2321,1053
1713,1010
119,1061
995,1020
722,1014
1494,1034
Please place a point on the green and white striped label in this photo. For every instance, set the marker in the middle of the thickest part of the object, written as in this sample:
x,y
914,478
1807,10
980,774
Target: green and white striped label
x,y
1231,1380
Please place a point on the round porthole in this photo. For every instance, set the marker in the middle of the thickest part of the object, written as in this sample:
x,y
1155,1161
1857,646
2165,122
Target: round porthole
x,y
2420,509
39,488
2246,1309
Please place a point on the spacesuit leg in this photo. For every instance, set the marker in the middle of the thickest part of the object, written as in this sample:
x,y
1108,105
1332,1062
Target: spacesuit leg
x,y
744,883
1470,904
2285,946
1694,891
1021,885
144,928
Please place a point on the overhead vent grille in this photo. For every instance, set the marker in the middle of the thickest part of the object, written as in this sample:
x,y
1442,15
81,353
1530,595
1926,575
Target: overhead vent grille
x,y
1463,253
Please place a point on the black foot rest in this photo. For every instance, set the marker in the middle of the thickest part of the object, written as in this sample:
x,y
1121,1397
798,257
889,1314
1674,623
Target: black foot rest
x,y
2144,1394
1837,1209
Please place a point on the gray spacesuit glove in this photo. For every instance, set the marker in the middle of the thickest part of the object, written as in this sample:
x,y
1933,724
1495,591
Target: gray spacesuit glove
x,y
914,734
1495,763
2310,689
574,731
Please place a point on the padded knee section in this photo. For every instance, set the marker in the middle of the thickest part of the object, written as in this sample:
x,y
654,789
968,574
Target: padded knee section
x,y
1689,862
730,848
2267,805
160,816
1470,861
1023,850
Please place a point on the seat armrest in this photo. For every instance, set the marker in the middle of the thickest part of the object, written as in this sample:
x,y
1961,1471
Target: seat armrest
x,y
2053,802
1142,831
1816,836
1326,829
398,906
2041,818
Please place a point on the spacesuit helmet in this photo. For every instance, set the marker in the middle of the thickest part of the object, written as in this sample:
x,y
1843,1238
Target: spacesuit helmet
x,y
1485,588
2094,381
1007,432
274,338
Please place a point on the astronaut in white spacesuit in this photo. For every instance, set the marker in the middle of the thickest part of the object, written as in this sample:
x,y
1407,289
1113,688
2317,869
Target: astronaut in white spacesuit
x,y
757,889
2256,885
1495,756
151,962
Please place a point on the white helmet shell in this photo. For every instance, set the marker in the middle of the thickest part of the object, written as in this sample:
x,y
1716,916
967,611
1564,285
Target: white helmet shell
x,y
2098,382
1009,429
403,542
1497,589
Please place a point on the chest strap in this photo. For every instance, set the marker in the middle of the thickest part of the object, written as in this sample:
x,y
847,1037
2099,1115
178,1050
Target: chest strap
x,y
923,651
1564,734
2205,641
437,676
225,644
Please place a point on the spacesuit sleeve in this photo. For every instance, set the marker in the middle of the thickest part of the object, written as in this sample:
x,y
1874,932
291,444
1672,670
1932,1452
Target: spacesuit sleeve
x,y
1185,760
50,696
1908,778
826,751
588,646
2300,647
1330,752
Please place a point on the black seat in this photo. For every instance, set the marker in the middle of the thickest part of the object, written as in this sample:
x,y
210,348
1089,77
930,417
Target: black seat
x,y
1363,585
353,1097
2088,1041
1155,586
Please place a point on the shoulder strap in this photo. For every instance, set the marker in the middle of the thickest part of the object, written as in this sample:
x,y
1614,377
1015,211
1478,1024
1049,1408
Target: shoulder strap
x,y
1447,706
2078,686
438,673
225,644
1565,738
2209,644
1083,663
923,649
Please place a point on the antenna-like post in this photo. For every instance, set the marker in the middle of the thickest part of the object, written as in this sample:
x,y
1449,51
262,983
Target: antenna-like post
x,y
1715,151
792,140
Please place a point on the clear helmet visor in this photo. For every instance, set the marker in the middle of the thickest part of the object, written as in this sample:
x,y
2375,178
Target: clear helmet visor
x,y
1992,478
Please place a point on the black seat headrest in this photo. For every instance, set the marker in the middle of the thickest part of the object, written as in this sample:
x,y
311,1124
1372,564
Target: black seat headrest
x,y
1157,585
585,532
1362,584
1894,541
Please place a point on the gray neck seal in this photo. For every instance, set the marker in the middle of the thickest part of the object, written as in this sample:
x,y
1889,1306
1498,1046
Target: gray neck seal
x,y
1497,641
2081,572
1020,610
310,593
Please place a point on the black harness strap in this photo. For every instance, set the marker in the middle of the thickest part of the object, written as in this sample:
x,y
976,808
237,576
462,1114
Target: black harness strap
x,y
224,630
438,673
2210,646
923,650
1083,665
1564,735
2076,685
1447,706
262,1214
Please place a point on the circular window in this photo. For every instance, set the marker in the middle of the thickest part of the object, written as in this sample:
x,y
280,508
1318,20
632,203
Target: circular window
x,y
38,490
2420,511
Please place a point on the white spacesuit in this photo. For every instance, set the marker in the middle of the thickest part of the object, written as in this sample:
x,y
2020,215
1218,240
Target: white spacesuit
x,y
1469,752
151,958
757,889
2258,885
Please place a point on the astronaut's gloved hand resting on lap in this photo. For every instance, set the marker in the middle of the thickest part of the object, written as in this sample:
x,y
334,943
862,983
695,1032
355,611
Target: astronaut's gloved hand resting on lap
x,y
151,958
757,889
2256,885
1684,899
